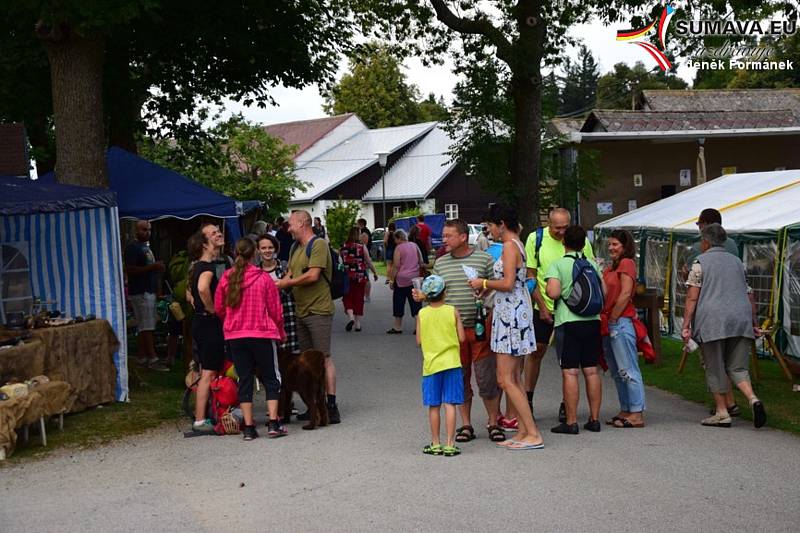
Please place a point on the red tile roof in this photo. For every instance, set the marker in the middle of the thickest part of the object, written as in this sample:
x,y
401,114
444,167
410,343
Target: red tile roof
x,y
304,133
13,150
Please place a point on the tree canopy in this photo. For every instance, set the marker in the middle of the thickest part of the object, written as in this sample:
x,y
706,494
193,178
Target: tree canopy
x,y
377,90
616,89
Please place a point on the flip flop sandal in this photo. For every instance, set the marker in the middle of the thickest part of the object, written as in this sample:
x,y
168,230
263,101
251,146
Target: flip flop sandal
x,y
450,451
465,434
433,449
496,434
394,332
526,446
627,424
506,443
611,421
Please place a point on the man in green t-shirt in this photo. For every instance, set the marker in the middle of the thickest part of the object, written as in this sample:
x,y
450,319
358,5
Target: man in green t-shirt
x,y
578,340
309,278
549,251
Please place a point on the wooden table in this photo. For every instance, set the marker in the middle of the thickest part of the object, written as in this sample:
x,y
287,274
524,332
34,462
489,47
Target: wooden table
x,y
652,301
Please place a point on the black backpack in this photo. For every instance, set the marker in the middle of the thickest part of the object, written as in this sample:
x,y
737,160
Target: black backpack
x,y
586,297
339,282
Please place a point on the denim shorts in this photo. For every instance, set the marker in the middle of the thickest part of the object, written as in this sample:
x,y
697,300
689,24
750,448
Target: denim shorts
x,y
446,386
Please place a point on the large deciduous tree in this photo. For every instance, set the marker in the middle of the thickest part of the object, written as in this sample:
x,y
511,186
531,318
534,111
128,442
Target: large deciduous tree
x,y
138,64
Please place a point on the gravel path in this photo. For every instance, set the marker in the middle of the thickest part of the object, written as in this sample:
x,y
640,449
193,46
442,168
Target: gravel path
x,y
368,473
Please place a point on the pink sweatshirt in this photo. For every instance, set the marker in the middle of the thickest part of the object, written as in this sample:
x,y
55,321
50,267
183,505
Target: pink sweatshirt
x,y
259,314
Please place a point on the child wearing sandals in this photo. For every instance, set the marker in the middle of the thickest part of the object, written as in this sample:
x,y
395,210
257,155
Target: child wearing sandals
x,y
440,332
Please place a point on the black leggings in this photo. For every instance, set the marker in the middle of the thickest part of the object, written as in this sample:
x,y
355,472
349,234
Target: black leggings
x,y
256,356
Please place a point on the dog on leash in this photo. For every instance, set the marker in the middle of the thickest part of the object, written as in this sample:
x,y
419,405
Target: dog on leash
x,y
304,373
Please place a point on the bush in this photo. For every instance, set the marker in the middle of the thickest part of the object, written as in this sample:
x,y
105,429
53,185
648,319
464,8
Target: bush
x,y
410,212
340,218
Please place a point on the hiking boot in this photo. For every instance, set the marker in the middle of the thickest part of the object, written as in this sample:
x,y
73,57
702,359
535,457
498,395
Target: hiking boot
x,y
333,415
592,425
566,429
203,426
250,433
717,420
275,429
562,413
759,414
733,410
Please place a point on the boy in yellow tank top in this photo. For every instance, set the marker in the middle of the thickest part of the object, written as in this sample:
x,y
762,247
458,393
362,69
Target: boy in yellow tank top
x,y
440,332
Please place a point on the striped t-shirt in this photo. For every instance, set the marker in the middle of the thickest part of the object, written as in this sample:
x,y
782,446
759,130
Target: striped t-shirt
x,y
459,294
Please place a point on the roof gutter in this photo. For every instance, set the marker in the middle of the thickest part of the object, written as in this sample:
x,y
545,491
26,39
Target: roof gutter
x,y
578,137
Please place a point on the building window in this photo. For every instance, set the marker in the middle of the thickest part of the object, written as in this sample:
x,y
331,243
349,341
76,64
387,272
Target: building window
x,y
396,210
451,211
16,281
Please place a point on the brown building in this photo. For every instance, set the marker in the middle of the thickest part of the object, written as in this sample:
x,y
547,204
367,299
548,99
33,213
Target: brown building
x,y
674,140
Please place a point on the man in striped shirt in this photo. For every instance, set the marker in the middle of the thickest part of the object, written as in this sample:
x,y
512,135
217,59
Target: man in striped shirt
x,y
473,352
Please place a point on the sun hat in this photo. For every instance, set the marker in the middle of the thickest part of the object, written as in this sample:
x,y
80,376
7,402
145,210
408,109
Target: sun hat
x,y
432,286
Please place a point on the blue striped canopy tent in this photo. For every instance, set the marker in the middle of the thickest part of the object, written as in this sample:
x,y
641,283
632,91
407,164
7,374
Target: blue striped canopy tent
x,y
70,236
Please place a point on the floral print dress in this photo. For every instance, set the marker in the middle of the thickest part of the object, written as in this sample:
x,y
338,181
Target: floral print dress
x,y
512,320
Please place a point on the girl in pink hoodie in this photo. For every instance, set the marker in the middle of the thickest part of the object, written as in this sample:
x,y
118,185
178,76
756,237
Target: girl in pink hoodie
x,y
249,305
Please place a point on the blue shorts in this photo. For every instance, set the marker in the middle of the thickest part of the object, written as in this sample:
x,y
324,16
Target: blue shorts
x,y
446,386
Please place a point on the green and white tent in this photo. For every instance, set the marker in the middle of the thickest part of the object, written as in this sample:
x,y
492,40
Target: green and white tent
x,y
760,211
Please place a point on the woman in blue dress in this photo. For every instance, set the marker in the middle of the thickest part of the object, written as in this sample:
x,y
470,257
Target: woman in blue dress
x,y
512,322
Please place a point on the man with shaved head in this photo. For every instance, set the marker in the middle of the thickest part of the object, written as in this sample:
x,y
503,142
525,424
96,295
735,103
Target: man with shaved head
x,y
542,254
310,273
143,273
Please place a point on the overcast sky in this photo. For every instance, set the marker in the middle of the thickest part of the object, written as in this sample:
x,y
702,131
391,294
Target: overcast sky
x,y
303,104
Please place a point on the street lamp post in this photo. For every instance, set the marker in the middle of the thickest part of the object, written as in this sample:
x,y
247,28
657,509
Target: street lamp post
x,y
382,157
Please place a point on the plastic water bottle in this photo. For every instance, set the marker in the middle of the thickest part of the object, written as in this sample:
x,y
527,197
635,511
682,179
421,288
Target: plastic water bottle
x,y
480,321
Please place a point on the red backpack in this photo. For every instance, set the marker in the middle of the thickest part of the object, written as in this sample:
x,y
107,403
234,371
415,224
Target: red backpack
x,y
224,398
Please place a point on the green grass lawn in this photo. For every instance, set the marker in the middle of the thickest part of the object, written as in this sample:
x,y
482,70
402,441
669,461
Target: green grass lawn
x,y
782,405
155,399
380,266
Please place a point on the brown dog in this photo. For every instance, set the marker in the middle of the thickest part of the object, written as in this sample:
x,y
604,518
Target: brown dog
x,y
304,373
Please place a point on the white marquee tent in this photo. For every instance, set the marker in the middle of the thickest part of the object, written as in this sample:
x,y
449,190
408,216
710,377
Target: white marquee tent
x,y
760,211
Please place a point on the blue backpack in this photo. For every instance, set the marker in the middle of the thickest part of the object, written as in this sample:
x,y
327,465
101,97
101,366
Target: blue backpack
x,y
586,297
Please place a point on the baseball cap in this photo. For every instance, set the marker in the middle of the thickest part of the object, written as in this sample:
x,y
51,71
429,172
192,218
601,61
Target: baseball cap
x,y
433,286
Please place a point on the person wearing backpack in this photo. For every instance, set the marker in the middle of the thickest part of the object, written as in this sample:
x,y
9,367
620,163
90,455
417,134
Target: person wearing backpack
x,y
311,280
575,285
356,261
544,247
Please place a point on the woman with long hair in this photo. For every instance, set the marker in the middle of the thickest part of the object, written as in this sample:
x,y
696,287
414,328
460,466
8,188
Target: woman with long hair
x,y
355,258
620,340
206,325
512,322
268,250
389,245
249,304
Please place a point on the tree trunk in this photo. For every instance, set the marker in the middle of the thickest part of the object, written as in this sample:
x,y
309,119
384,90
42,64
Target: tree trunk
x,y
525,150
526,90
76,74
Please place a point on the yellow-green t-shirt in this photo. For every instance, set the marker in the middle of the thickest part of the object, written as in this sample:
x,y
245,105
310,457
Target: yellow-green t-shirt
x,y
439,338
315,298
551,251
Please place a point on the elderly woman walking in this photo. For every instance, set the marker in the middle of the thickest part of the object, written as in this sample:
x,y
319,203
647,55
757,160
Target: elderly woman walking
x,y
407,262
720,316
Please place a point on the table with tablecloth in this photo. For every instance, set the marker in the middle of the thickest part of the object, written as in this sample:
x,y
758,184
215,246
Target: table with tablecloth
x,y
44,400
81,354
